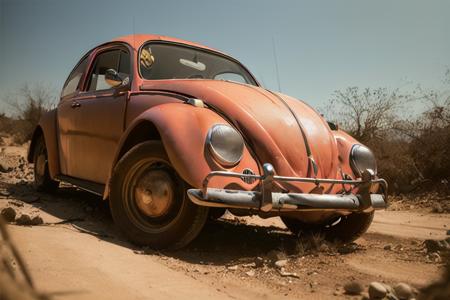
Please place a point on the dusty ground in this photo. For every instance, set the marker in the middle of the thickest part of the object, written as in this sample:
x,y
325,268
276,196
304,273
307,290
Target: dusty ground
x,y
77,254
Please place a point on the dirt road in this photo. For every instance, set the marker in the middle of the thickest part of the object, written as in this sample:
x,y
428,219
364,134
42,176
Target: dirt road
x,y
84,258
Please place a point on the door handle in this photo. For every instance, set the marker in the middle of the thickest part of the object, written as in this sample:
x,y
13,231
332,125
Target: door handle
x,y
75,104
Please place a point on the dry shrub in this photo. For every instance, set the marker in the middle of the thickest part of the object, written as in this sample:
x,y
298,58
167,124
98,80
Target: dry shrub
x,y
366,114
395,163
369,115
428,138
28,104
5,124
413,151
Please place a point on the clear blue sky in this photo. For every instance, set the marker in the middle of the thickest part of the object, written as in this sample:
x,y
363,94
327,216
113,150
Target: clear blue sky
x,y
321,45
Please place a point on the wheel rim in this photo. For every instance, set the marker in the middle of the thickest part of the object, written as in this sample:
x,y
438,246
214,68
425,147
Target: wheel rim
x,y
150,190
154,193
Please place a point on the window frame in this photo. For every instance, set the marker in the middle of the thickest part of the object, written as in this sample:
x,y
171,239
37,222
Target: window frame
x,y
98,51
79,85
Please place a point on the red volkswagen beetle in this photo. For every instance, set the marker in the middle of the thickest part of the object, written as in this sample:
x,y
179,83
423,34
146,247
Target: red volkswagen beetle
x,y
170,132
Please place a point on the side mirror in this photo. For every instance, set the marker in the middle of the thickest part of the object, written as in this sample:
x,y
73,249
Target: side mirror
x,y
114,79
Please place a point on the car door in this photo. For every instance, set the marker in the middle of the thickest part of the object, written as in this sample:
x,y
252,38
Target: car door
x,y
99,117
65,113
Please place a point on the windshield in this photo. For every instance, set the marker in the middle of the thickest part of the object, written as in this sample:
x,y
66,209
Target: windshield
x,y
166,61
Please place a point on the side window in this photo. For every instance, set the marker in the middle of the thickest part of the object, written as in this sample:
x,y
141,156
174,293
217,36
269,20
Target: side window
x,y
71,85
115,59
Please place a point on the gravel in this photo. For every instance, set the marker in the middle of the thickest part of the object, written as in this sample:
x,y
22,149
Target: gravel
x,y
436,245
233,268
259,262
437,208
434,257
281,263
275,255
348,248
5,168
283,273
5,193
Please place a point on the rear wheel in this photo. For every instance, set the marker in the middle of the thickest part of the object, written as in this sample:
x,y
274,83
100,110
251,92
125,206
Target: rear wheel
x,y
343,229
148,200
42,180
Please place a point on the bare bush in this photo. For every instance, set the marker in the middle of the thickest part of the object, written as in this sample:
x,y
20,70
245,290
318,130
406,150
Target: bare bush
x,y
411,150
369,116
429,136
368,113
28,104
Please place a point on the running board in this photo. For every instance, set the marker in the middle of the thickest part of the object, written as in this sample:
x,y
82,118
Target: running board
x,y
88,186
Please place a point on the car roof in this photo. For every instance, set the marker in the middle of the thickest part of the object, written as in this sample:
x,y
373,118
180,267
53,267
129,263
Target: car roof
x,y
137,40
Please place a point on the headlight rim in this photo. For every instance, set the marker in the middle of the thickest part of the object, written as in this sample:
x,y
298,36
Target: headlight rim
x,y
217,156
354,164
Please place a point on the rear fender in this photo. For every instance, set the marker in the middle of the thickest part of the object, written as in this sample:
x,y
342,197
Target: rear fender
x,y
47,129
183,128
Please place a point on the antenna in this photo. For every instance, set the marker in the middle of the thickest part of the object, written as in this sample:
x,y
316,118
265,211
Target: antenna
x,y
134,32
276,63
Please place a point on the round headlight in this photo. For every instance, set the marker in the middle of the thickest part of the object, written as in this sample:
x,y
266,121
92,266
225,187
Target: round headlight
x,y
225,144
361,158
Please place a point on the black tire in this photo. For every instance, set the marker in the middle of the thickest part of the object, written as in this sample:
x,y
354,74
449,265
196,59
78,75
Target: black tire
x,y
180,220
216,213
344,229
42,181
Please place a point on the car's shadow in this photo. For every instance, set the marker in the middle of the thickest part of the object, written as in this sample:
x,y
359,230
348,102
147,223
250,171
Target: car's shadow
x,y
221,242
224,242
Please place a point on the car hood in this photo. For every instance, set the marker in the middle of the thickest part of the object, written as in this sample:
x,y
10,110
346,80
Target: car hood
x,y
272,124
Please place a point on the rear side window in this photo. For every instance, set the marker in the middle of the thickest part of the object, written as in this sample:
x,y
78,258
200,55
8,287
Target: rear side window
x,y
115,59
72,82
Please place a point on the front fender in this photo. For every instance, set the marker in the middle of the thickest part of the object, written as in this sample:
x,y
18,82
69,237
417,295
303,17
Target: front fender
x,y
183,129
47,129
345,142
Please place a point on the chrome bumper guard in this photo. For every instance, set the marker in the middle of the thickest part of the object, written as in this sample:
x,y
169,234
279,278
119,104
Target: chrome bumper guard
x,y
266,200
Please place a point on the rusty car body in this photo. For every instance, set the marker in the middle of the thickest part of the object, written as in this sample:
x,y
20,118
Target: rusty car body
x,y
172,132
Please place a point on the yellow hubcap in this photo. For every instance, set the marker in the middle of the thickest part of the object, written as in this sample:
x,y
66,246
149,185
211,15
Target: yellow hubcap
x,y
154,193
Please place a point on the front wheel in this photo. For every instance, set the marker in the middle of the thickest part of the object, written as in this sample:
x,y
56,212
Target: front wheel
x,y
343,229
148,200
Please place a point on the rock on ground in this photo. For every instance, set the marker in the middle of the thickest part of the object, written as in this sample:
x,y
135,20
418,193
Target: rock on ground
x,y
403,291
377,290
8,214
353,288
24,220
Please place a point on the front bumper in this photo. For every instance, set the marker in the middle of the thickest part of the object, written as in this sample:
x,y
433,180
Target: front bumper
x,y
266,200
